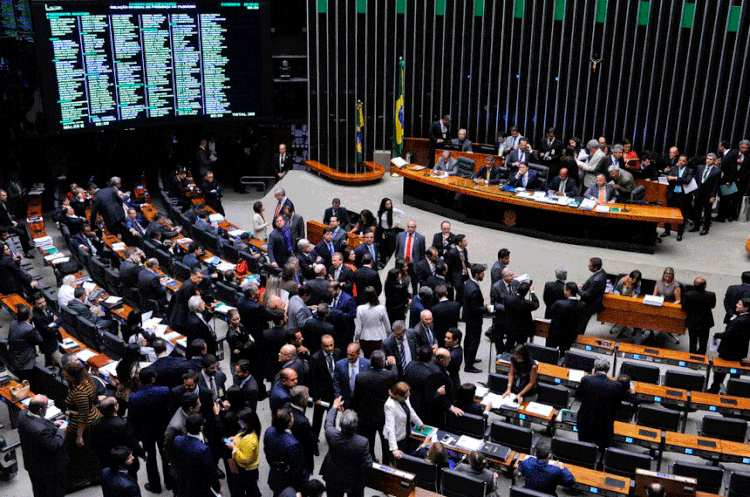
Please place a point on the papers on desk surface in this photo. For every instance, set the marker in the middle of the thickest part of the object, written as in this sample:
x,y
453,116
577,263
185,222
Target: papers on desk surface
x,y
60,260
604,209
469,444
481,391
216,218
498,402
223,308
150,323
52,257
160,330
225,266
182,342
399,162
539,409
184,240
440,175
171,336
235,233
655,300
109,370
117,246
69,344
576,375
112,300
89,286
52,412
42,241
85,354
587,204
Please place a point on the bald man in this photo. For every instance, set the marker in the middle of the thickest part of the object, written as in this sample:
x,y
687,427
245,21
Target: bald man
x,y
698,304
280,395
440,391
319,285
424,332
42,446
346,371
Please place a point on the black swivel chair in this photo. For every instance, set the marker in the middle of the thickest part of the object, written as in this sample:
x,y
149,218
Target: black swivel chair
x,y
738,387
544,354
542,172
556,396
230,253
112,281
625,462
165,260
497,383
466,167
572,451
226,293
684,380
457,484
709,477
468,424
425,473
70,319
113,346
579,360
51,301
181,271
525,492
640,372
734,430
516,438
655,416
89,334
739,484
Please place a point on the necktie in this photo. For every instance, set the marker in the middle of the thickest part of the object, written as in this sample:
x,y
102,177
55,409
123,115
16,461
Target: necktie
x,y
525,180
489,172
561,189
372,252
602,194
430,336
678,188
330,248
522,157
407,255
330,364
352,375
336,274
214,393
402,353
706,172
278,209
281,159
463,260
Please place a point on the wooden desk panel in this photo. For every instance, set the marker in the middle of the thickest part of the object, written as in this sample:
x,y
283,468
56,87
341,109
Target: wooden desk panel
x,y
594,344
660,394
666,356
374,172
8,399
713,402
315,234
693,445
631,311
735,452
733,367
639,435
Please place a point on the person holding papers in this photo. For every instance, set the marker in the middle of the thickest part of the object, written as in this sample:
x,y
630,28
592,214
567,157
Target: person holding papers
x,y
522,379
600,191
562,185
446,165
677,196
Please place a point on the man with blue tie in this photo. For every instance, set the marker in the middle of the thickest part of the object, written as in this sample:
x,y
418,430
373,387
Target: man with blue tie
x,y
326,248
707,177
347,370
679,179
340,237
134,224
423,332
522,154
367,248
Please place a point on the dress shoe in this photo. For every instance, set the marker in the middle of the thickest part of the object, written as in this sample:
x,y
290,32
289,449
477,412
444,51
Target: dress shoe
x,y
694,229
220,474
665,234
679,238
488,334
28,255
704,232
472,369
153,490
477,361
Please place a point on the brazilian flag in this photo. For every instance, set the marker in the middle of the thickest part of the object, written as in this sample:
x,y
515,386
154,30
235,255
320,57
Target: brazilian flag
x,y
398,124
360,125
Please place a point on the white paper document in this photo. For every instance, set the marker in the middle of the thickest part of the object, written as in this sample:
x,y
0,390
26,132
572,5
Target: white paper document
x,y
469,444
656,301
587,204
86,354
498,402
539,409
575,375
119,246
235,233
691,187
89,286
481,391
663,180
399,162
110,369
604,209
216,218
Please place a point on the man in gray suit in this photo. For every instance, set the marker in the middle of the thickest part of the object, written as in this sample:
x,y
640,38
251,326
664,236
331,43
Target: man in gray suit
x,y
500,292
588,170
345,467
297,312
294,223
446,164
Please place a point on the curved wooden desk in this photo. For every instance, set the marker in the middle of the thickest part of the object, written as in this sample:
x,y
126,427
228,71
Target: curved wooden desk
x,y
632,228
375,172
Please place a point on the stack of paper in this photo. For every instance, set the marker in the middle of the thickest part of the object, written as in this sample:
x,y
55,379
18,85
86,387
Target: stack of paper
x,y
85,354
500,402
52,412
576,375
119,246
223,308
469,444
182,342
109,370
588,204
235,233
89,286
60,260
171,336
43,241
68,343
481,391
184,240
539,409
53,256
655,300
160,330
225,266
601,208
113,300
216,218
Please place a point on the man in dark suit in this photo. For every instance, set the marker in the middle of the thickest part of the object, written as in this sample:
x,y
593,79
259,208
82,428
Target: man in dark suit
x,y
475,308
18,229
148,415
679,179
43,449
23,340
366,276
735,293
179,303
117,478
401,346
159,224
111,431
562,184
564,316
731,162
699,320
318,285
368,400
284,454
168,369
525,177
336,211
97,317
196,466
295,224
322,368
13,279
707,177
554,290
600,191
150,285
446,164
46,323
439,391
500,292
496,271
197,327
345,467
427,266
520,323
280,395
282,201
326,248
341,272
343,310
212,189
301,428
410,247
280,243
462,141
520,155
191,384
444,240
130,268
314,329
734,340
108,203
600,399
367,248
550,148
307,258
453,343
445,313
247,383
282,162
439,134
416,374
440,279
424,332
457,260
489,173
592,293
253,315
346,372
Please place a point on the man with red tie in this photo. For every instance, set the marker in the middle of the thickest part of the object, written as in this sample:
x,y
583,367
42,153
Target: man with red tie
x,y
410,246
283,201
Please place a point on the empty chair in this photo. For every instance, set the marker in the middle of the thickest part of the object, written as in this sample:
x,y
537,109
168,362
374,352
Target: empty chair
x,y
468,424
625,462
425,473
460,484
497,383
112,281
684,379
149,247
97,271
572,451
49,384
731,429
514,437
165,260
640,372
738,387
226,293
556,396
181,271
624,412
70,319
230,253
739,484
579,360
544,354
655,416
212,242
89,334
112,345
466,167
525,492
709,477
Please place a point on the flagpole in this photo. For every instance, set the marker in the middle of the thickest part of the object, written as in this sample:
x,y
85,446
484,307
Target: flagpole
x,y
398,116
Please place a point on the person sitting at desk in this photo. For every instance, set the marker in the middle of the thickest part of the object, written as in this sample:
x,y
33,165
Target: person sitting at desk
x,y
477,468
522,378
446,164
465,400
489,173
463,142
622,182
434,453
203,223
600,191
562,185
194,252
668,287
525,177
542,474
629,285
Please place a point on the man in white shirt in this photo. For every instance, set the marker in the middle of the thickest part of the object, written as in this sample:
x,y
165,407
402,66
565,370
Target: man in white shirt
x,y
65,293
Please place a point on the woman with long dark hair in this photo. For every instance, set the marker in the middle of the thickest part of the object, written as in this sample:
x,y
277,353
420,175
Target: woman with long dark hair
x,y
522,379
371,324
83,465
389,224
397,285
366,222
245,449
260,225
128,370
